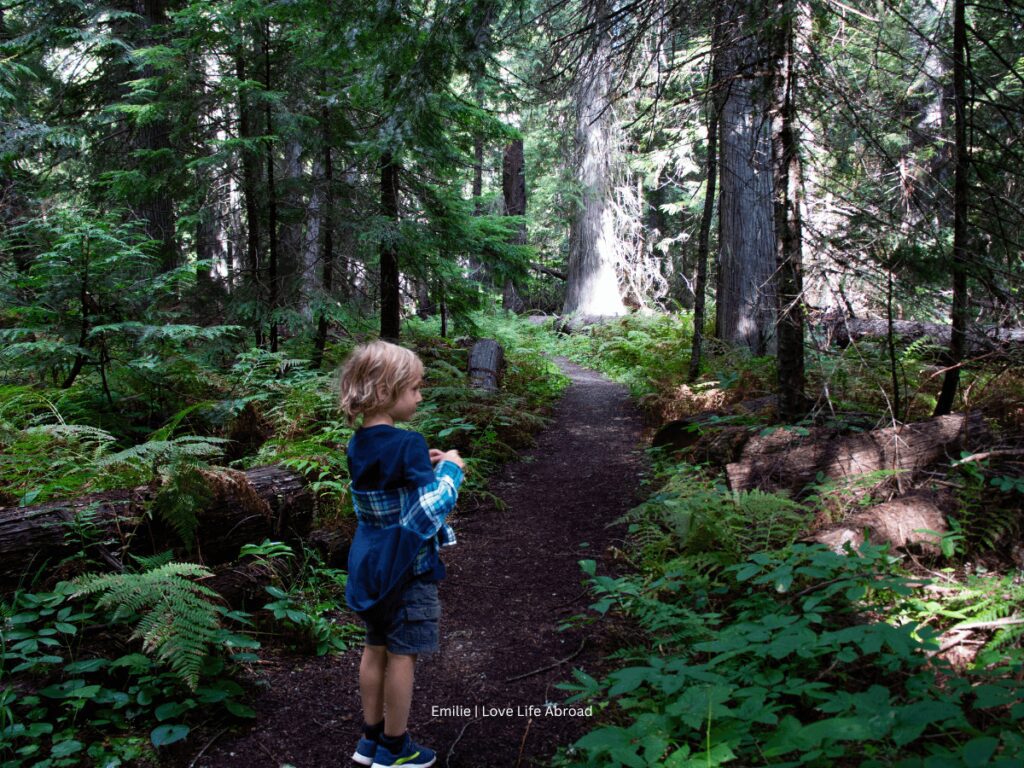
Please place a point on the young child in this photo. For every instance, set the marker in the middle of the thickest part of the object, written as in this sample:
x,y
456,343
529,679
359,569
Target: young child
x,y
402,492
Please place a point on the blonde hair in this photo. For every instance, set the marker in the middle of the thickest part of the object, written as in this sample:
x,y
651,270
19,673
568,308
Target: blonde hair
x,y
373,377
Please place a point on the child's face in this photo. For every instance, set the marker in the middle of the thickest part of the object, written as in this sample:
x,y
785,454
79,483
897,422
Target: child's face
x,y
408,399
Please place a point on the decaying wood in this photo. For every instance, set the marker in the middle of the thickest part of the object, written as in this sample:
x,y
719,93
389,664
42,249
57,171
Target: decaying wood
x,y
243,584
486,364
332,544
981,340
903,523
247,507
683,433
906,448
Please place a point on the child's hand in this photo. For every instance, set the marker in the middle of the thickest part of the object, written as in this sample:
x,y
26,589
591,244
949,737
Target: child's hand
x,y
453,456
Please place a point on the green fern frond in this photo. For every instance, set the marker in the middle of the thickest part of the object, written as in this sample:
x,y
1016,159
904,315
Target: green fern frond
x,y
148,562
184,492
180,619
79,432
162,452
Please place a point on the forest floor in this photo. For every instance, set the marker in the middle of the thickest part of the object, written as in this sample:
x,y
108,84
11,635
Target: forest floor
x,y
513,580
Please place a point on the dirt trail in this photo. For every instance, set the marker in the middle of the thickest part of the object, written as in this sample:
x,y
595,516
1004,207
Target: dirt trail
x,y
512,580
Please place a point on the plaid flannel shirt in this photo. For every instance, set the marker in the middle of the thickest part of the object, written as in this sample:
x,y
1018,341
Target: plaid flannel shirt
x,y
422,510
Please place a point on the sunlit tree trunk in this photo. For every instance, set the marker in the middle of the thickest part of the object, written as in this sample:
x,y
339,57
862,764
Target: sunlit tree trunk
x,y
958,331
926,168
592,288
477,270
745,299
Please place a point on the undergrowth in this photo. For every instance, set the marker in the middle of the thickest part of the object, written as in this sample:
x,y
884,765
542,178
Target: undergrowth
x,y
112,667
758,649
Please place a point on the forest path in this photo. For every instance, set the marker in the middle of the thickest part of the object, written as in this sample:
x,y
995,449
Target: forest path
x,y
512,580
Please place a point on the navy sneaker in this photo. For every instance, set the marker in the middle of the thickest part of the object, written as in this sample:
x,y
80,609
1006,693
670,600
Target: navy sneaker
x,y
412,755
366,751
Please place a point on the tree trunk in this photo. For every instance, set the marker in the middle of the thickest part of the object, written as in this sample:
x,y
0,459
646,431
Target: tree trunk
x,y
745,303
326,245
700,287
958,335
794,21
266,502
156,208
513,188
477,269
915,520
593,286
925,168
992,341
273,279
250,173
905,448
83,336
301,216
390,298
486,363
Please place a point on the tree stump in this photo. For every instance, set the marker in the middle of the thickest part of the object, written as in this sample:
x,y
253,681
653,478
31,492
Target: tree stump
x,y
486,365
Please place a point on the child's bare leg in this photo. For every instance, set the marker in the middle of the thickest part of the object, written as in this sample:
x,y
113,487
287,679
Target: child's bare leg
x,y
371,682
398,692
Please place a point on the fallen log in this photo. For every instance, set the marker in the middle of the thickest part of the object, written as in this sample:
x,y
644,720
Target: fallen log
x,y
981,340
486,364
683,433
245,507
903,523
243,584
906,448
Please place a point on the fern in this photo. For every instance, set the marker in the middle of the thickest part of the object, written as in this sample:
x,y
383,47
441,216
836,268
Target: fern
x,y
766,521
180,619
156,453
996,604
183,493
692,516
984,517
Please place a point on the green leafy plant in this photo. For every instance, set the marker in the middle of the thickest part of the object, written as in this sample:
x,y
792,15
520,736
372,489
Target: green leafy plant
x,y
986,519
792,669
178,619
692,514
63,701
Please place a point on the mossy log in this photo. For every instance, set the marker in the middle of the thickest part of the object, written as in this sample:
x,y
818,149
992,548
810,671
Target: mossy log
x,y
246,507
906,449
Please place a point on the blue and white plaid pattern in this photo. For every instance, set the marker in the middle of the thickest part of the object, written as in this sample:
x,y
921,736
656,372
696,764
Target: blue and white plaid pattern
x,y
422,510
